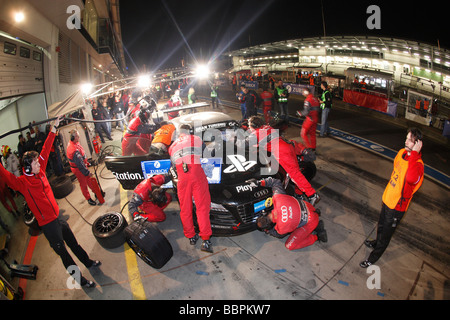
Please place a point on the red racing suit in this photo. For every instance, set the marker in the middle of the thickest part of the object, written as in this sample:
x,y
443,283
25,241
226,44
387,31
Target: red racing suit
x,y
267,99
297,218
141,199
79,166
138,138
35,187
310,110
268,138
174,101
185,154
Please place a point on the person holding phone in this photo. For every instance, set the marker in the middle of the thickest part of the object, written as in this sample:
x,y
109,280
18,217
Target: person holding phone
x,y
406,179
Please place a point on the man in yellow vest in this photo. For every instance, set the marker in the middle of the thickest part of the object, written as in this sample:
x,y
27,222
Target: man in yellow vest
x,y
406,179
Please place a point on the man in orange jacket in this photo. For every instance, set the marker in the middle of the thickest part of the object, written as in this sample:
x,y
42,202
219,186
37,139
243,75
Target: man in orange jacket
x,y
162,137
38,194
406,179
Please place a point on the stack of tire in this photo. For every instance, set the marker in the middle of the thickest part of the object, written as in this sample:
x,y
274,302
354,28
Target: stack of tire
x,y
112,230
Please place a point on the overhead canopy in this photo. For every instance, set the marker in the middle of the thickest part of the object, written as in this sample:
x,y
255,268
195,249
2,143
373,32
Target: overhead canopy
x,y
69,105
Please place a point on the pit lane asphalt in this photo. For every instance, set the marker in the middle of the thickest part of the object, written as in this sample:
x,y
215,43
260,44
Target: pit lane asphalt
x,y
256,266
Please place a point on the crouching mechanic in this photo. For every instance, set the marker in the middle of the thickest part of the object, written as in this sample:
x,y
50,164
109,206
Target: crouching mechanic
x,y
150,199
291,216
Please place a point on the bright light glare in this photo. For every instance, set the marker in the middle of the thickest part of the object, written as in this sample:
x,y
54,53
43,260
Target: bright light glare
x,y
86,88
143,81
19,16
202,72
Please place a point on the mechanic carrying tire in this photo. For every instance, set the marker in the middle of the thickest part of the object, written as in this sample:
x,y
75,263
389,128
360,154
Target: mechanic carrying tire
x,y
185,154
149,199
290,216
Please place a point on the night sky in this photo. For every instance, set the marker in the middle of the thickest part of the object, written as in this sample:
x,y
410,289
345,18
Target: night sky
x,y
159,33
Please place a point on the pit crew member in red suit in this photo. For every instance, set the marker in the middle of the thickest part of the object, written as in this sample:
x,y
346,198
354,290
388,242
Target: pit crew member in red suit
x,y
291,217
138,136
175,101
268,138
310,110
185,154
267,98
38,194
79,166
149,199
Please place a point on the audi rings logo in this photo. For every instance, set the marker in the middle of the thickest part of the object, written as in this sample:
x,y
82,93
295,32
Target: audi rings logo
x,y
261,193
286,212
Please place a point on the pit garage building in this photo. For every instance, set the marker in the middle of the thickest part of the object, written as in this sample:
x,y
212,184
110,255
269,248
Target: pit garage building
x,y
413,76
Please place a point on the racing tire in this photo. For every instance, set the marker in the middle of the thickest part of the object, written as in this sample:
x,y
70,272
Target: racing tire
x,y
148,242
62,186
108,230
308,169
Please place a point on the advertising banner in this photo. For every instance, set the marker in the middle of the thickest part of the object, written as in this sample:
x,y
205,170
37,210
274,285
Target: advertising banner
x,y
370,101
298,88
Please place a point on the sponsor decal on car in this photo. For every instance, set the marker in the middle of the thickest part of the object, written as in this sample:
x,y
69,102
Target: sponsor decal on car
x,y
262,205
238,163
128,176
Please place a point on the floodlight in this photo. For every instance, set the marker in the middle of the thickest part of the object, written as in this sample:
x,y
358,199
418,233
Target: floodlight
x,y
19,17
143,81
86,88
202,71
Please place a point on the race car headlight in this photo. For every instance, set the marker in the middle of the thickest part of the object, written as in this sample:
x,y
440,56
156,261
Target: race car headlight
x,y
218,207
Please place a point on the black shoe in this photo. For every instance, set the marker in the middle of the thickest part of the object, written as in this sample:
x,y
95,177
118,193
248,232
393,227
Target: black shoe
x,y
321,232
314,199
207,246
92,202
365,264
96,263
89,284
193,240
370,243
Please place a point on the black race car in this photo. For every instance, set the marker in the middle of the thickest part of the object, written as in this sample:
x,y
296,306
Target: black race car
x,y
237,201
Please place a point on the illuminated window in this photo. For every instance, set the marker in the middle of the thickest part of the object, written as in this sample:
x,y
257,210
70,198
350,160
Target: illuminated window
x,y
10,48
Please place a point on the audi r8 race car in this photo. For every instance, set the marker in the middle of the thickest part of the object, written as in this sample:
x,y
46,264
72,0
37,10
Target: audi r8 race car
x,y
231,165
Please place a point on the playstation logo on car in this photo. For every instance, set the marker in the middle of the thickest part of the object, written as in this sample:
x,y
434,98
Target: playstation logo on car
x,y
238,164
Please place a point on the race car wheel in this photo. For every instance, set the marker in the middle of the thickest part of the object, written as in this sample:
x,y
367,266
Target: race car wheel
x,y
149,243
61,186
108,230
